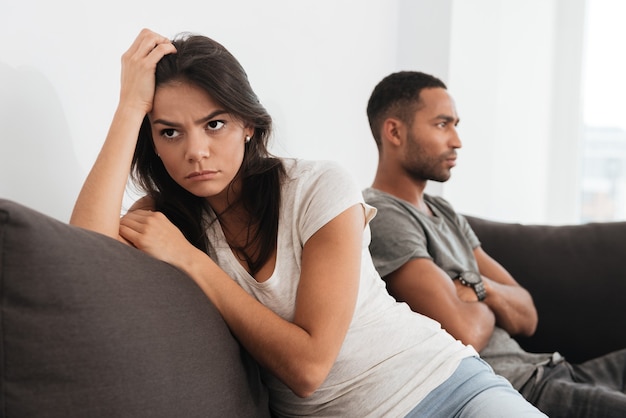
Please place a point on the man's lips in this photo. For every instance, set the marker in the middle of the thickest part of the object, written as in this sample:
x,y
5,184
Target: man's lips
x,y
201,175
451,159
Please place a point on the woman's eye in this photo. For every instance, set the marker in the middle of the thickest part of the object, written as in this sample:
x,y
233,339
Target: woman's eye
x,y
214,125
169,133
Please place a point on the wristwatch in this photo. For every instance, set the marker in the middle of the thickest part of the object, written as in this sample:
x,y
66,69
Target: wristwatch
x,y
475,281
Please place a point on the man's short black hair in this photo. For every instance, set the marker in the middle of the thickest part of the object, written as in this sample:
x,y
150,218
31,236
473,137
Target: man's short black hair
x,y
398,95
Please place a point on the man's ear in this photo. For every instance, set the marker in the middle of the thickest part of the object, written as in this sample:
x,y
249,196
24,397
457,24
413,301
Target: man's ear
x,y
393,131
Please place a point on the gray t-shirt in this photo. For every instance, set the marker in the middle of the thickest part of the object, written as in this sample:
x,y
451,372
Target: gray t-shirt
x,y
401,233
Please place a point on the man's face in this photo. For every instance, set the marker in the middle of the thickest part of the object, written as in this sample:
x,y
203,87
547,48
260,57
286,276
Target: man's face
x,y
432,139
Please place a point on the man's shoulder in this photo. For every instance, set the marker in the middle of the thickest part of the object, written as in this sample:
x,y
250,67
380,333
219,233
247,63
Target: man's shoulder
x,y
376,197
371,194
439,202
387,205
396,216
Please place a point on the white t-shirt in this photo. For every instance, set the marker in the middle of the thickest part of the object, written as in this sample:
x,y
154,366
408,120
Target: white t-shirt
x,y
391,357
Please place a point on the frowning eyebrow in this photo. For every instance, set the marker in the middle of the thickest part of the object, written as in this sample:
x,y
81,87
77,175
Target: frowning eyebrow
x,y
197,122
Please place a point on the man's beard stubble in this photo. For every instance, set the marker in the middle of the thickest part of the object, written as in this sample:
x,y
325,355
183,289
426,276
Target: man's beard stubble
x,y
422,167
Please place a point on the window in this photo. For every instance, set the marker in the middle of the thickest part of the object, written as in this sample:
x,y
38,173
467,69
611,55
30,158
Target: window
x,y
603,186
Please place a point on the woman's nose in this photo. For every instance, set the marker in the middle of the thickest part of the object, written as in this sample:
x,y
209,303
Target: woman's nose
x,y
197,147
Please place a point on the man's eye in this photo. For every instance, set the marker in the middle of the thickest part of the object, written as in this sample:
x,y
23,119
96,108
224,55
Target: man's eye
x,y
214,125
169,133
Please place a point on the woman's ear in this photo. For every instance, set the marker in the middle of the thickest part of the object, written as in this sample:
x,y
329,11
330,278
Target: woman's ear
x,y
248,131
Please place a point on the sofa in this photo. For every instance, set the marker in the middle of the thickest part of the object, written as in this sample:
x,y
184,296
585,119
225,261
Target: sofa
x,y
90,327
576,276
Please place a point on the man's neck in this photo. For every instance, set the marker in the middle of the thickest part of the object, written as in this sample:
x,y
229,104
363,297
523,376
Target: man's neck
x,y
403,188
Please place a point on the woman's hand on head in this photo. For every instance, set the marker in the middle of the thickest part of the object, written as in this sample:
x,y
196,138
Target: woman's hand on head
x,y
138,67
154,234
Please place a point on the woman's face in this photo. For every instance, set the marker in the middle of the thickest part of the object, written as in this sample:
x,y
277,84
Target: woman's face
x,y
199,143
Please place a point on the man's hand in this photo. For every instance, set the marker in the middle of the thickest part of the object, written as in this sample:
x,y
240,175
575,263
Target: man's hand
x,y
512,304
465,293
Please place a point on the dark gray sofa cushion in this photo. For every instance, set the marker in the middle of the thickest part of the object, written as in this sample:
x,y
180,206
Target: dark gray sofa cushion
x,y
93,328
577,277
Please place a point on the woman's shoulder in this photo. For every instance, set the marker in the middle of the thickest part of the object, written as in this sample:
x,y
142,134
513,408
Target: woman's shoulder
x,y
297,167
303,169
315,177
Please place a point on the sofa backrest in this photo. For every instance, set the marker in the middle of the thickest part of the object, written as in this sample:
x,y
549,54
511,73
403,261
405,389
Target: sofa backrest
x,y
577,277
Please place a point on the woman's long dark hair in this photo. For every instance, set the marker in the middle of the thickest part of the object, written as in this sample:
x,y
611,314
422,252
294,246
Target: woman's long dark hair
x,y
207,64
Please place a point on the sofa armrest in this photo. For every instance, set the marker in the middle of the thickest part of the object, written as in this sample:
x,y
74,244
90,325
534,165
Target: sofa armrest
x,y
90,327
576,276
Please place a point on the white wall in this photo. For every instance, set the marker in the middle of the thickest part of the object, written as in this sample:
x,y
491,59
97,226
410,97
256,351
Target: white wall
x,y
313,64
515,73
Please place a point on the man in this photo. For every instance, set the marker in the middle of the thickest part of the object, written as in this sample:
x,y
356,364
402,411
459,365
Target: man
x,y
431,259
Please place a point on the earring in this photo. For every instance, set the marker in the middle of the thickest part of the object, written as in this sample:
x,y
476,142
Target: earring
x,y
248,138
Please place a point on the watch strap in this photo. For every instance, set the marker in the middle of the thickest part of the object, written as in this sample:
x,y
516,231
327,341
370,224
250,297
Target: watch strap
x,y
481,293
478,287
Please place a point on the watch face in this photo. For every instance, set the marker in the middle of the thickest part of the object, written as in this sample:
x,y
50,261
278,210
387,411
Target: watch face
x,y
471,277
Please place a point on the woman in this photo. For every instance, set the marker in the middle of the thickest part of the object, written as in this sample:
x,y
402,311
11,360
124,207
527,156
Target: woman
x,y
279,246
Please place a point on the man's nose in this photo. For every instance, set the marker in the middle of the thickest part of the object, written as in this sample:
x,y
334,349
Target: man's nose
x,y
455,140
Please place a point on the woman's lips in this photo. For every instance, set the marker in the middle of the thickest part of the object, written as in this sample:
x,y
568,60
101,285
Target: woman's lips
x,y
201,175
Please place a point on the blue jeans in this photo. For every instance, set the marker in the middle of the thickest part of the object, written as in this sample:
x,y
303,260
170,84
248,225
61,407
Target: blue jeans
x,y
596,388
474,390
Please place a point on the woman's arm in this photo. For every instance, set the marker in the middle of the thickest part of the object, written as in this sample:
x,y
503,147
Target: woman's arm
x,y
99,203
301,353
